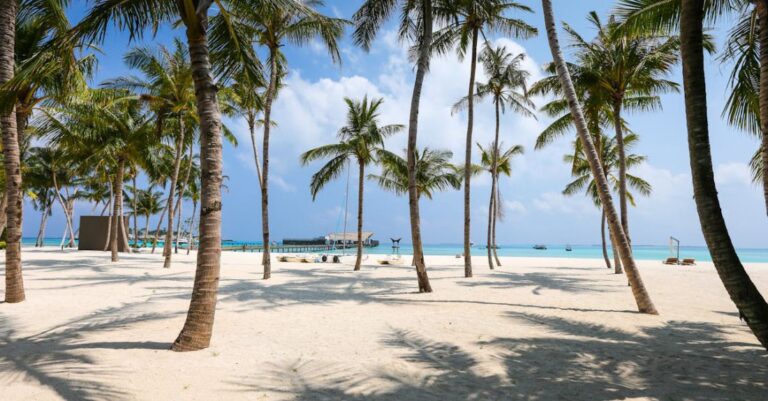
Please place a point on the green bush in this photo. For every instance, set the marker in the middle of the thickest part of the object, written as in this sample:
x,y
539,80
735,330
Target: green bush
x,y
2,244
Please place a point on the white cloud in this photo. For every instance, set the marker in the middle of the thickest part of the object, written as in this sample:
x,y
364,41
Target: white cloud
x,y
516,207
555,202
733,174
281,183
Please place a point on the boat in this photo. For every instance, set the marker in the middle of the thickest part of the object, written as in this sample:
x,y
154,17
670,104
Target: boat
x,y
540,247
568,248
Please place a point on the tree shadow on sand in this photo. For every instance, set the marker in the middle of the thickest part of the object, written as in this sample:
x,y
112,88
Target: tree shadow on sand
x,y
54,357
575,361
311,285
540,282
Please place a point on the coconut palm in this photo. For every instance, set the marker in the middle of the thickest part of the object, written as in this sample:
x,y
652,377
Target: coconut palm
x,y
496,162
360,140
274,26
506,87
167,86
106,130
219,37
740,287
434,172
642,298
743,49
465,21
598,113
245,99
416,22
686,17
39,184
148,204
625,67
609,158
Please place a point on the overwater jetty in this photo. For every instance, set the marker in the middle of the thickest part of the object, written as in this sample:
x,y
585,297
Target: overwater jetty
x,y
328,243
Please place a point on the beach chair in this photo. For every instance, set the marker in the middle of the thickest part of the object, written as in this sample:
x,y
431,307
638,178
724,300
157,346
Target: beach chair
x,y
689,262
671,261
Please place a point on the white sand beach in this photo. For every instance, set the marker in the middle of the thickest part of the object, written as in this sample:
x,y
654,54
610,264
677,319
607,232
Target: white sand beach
x,y
535,329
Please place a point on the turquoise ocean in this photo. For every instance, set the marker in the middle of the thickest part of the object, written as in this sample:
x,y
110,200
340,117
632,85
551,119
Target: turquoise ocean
x,y
641,252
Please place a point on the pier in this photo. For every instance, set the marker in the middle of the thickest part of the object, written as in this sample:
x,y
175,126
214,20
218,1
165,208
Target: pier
x,y
278,248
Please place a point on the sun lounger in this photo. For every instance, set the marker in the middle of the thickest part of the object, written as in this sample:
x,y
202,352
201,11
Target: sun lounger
x,y
671,261
688,262
294,259
391,261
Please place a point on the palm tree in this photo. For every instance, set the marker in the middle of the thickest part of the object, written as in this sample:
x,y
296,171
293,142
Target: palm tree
x,y
148,204
642,298
507,88
434,172
105,129
360,140
465,21
275,26
244,98
39,183
609,158
740,287
416,25
496,162
14,283
598,113
168,88
622,67
227,37
746,48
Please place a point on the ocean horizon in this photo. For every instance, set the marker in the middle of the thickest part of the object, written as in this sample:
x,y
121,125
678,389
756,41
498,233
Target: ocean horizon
x,y
641,252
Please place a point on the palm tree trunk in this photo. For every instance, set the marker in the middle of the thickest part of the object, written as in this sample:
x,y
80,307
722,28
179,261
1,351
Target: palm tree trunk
x,y
468,156
171,194
360,187
65,210
135,213
642,298
491,213
741,289
146,232
413,125
70,213
266,259
252,129
14,282
110,220
118,193
622,169
602,238
179,205
495,177
198,327
190,238
41,230
123,231
496,204
157,229
762,15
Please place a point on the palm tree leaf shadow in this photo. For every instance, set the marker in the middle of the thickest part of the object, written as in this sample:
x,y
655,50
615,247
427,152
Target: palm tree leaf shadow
x,y
570,360
673,360
54,357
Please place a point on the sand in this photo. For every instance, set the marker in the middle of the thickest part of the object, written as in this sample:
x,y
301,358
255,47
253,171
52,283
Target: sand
x,y
535,329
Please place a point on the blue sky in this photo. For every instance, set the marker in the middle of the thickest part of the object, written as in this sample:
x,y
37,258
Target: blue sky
x,y
310,110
